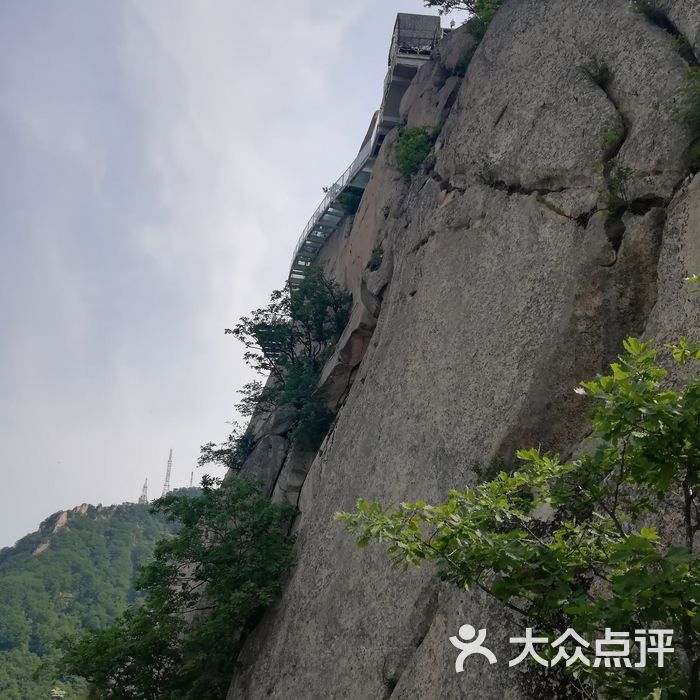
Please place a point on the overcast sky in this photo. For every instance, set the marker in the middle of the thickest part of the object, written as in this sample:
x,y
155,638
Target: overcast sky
x,y
160,160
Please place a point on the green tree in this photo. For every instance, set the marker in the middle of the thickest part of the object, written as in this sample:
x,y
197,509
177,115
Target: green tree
x,y
481,11
203,591
137,656
82,576
572,544
230,454
288,343
412,148
302,325
445,6
14,627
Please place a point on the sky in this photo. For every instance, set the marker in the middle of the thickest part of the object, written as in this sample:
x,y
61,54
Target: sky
x,y
160,160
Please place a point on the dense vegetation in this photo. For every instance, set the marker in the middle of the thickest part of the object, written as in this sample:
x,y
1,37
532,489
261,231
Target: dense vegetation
x,y
204,589
572,544
412,148
206,586
84,579
287,343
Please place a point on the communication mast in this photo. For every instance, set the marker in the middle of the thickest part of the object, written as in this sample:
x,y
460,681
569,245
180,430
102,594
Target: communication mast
x,y
191,478
166,485
143,498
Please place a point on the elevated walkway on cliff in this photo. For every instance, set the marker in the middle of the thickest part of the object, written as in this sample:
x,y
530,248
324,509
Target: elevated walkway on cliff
x,y
412,43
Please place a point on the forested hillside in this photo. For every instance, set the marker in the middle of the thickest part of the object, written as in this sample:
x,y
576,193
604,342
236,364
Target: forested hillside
x,y
77,571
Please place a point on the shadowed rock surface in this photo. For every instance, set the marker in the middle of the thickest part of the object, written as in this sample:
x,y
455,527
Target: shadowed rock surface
x,y
501,282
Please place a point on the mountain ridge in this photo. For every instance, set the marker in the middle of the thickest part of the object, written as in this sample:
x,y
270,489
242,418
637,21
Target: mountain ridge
x,y
75,572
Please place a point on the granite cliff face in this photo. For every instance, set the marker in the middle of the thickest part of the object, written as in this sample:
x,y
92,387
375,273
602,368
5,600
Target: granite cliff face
x,y
502,283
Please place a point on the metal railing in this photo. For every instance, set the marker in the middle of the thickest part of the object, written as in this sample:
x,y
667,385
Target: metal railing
x,y
418,44
409,42
336,189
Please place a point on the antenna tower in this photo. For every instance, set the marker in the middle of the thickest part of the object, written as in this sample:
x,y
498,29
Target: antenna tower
x,y
143,498
166,485
191,478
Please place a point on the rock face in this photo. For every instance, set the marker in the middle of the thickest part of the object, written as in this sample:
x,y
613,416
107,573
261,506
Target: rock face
x,y
266,460
498,282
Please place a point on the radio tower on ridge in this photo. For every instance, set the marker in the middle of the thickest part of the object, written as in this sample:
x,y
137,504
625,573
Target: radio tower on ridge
x,y
143,498
166,485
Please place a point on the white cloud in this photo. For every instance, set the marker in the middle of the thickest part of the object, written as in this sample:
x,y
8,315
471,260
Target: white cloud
x,y
165,157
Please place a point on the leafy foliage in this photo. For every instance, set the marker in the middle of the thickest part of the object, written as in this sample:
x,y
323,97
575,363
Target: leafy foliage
x,y
412,148
484,9
290,339
230,454
571,544
303,325
180,642
255,398
481,11
617,176
84,579
445,6
610,142
479,22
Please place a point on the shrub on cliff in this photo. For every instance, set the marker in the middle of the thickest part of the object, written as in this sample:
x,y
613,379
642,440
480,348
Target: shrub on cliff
x,y
412,148
230,454
232,544
305,324
570,545
290,340
481,11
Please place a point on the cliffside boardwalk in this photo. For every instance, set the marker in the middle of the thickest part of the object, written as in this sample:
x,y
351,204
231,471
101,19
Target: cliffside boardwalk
x,y
412,44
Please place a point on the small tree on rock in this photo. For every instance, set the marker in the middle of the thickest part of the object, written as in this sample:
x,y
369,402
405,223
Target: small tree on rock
x,y
600,560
